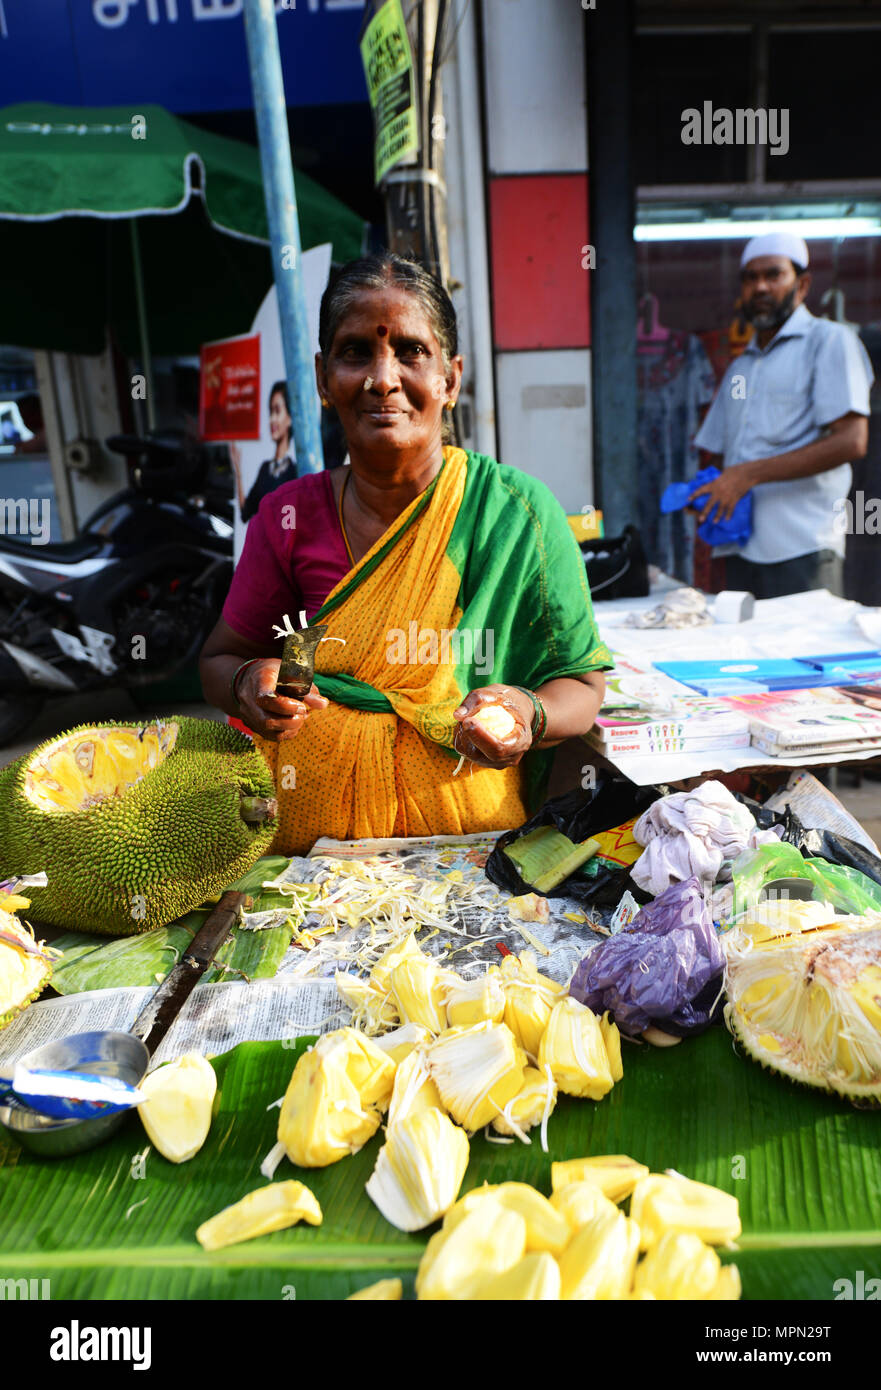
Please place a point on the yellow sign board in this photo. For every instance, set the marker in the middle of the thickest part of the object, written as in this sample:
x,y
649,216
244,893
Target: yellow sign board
x,y
388,67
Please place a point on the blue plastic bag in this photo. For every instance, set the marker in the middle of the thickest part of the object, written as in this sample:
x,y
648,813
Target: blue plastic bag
x,y
735,531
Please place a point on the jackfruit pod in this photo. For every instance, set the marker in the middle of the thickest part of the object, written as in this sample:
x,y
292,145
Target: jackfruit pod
x,y
268,1209
476,1001
579,1202
612,1041
546,1229
419,989
615,1175
414,1090
531,1106
669,1202
529,907
381,974
177,1111
680,1266
529,999
599,1261
534,1278
383,1289
25,967
323,1117
572,1046
372,1011
489,1240
370,1069
477,1071
419,1170
12,903
401,1041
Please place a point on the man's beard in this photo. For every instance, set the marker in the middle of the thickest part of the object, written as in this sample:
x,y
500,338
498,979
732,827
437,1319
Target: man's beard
x,y
771,318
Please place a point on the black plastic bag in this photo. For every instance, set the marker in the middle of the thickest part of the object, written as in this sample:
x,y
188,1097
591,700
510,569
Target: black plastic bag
x,y
580,814
838,849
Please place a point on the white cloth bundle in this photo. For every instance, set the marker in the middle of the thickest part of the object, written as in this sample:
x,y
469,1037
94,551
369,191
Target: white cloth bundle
x,y
696,832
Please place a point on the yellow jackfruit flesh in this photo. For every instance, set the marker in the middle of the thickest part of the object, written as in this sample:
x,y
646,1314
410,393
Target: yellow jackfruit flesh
x,y
529,999
419,1170
496,720
381,974
680,1266
177,1111
612,1041
418,988
532,1103
808,1004
546,1228
534,1278
25,967
372,1011
135,824
579,1202
383,1289
475,1001
489,1240
615,1175
669,1202
332,1104
402,1041
572,1046
414,1090
268,1209
599,1261
477,1071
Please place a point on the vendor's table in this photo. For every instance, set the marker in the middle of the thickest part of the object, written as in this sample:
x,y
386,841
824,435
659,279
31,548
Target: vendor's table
x,y
797,625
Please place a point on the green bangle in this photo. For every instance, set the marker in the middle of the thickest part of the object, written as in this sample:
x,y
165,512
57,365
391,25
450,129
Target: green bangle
x,y
539,718
234,682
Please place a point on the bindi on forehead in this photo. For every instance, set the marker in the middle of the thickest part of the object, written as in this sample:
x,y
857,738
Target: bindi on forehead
x,y
382,331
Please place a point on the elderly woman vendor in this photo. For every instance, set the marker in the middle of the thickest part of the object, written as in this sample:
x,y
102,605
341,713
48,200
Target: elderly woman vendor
x,y
454,582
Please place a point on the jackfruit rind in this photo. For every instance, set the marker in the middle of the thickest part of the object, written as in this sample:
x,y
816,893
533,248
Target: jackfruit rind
x,y
25,967
135,824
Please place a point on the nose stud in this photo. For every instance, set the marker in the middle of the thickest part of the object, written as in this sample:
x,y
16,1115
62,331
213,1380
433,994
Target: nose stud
x,y
368,382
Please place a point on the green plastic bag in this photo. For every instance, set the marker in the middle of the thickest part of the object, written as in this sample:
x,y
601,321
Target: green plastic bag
x,y
847,889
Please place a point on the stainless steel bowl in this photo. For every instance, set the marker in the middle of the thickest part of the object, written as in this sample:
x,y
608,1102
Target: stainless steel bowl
x,y
102,1054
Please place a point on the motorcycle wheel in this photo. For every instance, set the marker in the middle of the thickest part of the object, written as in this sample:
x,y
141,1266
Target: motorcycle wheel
x,y
16,714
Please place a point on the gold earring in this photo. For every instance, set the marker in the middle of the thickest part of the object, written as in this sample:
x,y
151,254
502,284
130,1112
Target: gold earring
x,y
448,405
325,403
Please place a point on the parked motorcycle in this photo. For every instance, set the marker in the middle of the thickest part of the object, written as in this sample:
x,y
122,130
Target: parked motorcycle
x,y
131,600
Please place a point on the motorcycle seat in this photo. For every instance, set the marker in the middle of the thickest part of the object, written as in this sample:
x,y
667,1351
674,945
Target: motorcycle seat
x,y
56,553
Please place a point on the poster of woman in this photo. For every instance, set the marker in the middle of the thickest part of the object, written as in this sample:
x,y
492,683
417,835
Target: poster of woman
x,y
280,467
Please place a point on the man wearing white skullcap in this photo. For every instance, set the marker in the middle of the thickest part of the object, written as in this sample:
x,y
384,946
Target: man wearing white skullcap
x,y
790,415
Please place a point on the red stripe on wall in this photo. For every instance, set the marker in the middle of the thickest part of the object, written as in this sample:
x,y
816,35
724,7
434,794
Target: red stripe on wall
x,y
538,231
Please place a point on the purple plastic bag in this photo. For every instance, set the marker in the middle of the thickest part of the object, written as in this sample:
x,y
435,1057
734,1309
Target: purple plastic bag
x,y
663,970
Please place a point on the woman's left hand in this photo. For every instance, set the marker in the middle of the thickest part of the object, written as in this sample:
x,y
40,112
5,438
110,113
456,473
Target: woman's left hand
x,y
477,743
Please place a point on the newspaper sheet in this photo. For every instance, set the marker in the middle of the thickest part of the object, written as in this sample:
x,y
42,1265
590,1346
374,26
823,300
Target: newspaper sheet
x,y
214,1019
818,809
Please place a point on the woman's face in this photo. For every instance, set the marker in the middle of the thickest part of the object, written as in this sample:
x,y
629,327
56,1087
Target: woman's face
x,y
385,375
279,419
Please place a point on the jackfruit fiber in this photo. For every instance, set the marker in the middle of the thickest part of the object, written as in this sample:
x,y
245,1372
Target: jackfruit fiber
x,y
402,1041
680,1266
414,1090
135,824
529,999
572,1046
177,1111
487,1241
665,1202
333,1102
808,1004
372,1012
268,1209
477,1071
25,967
419,1169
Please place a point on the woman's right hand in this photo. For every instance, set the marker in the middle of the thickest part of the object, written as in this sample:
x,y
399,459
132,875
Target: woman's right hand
x,y
274,717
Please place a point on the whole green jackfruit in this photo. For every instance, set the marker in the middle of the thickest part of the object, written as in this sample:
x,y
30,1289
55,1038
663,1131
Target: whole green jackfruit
x,y
135,824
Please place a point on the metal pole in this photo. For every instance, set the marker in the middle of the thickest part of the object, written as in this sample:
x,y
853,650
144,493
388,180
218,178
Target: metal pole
x,y
146,363
284,229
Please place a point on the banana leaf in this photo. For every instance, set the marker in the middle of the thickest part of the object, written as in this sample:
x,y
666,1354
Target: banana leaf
x,y
806,1169
88,962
